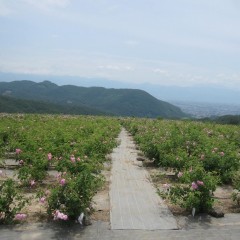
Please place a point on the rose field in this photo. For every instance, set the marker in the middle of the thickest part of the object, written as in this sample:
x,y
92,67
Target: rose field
x,y
57,161
53,163
200,157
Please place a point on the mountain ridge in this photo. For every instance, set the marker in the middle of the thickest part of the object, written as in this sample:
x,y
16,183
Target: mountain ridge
x,y
119,102
207,93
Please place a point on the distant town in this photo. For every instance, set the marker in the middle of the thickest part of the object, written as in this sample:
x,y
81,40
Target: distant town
x,y
202,110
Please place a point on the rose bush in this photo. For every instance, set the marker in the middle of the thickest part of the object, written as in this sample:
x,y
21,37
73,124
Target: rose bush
x,y
201,154
76,146
11,202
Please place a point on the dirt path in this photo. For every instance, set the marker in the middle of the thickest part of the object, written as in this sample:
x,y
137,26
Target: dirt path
x,y
134,203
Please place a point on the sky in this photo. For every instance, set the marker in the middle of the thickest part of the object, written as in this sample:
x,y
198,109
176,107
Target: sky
x,y
164,42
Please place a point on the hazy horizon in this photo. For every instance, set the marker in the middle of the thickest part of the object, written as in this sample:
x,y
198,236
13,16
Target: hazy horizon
x,y
193,94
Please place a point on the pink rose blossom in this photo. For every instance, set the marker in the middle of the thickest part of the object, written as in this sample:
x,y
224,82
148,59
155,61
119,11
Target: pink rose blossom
x,y
72,158
42,200
58,215
222,154
32,183
20,216
49,156
180,174
63,181
200,183
78,159
194,186
18,151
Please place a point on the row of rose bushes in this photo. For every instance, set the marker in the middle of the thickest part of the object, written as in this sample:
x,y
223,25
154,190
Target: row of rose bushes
x,y
75,146
201,154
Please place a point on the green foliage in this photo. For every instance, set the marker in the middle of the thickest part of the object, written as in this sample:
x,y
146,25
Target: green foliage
x,y
194,190
11,201
236,185
76,146
181,144
16,105
204,152
227,119
73,197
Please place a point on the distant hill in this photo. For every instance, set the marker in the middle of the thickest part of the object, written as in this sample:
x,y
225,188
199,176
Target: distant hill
x,y
121,102
14,105
202,93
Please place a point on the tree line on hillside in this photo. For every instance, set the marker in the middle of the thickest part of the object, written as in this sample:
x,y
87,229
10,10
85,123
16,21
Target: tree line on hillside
x,y
14,105
226,119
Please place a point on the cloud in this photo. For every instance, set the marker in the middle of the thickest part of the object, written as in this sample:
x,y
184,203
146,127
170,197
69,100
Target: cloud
x,y
110,67
129,68
161,71
55,36
131,43
46,5
115,67
4,9
112,8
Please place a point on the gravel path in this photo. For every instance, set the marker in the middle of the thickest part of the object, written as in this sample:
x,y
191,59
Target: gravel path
x,y
134,203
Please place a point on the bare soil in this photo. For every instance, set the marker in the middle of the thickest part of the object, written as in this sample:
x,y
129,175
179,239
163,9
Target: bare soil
x,y
101,201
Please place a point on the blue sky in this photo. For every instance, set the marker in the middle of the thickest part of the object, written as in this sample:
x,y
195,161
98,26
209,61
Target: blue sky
x,y
165,42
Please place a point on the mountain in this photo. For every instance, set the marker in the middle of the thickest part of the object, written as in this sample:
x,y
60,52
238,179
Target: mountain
x,y
14,105
121,102
202,93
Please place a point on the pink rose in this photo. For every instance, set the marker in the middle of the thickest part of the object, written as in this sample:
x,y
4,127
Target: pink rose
x,y
32,183
180,174
49,156
42,200
20,216
194,186
72,158
200,183
63,181
58,215
18,151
